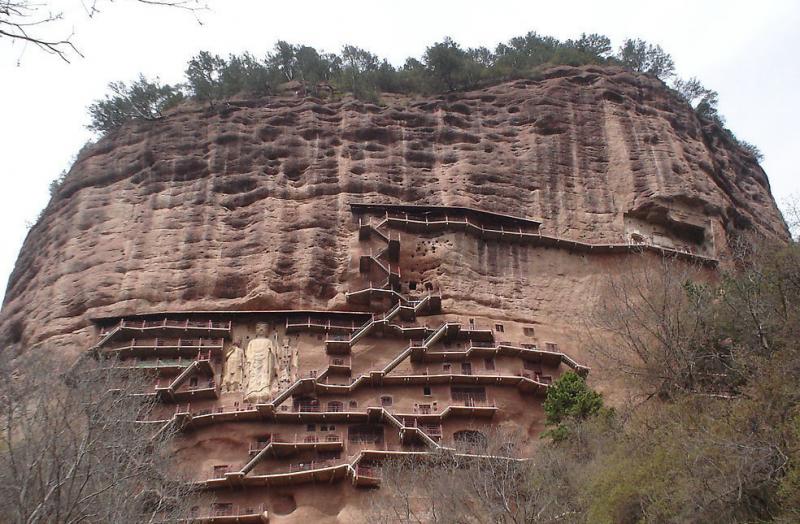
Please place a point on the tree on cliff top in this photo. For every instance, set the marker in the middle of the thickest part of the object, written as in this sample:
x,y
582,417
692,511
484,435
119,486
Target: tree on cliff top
x,y
643,57
358,65
593,44
445,66
141,99
446,61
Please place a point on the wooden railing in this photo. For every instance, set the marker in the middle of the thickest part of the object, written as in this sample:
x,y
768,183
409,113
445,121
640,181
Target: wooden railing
x,y
216,410
368,471
306,407
331,438
538,238
137,362
320,323
227,510
167,323
181,343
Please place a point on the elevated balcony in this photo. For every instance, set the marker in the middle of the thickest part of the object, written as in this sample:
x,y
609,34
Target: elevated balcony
x,y
190,416
338,344
164,327
202,390
224,513
333,411
341,364
320,325
168,366
282,446
366,476
472,407
298,473
158,347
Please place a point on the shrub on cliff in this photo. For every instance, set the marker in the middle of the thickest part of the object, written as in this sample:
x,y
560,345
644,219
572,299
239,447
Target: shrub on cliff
x,y
139,100
303,63
569,398
705,103
357,73
204,77
592,44
448,65
445,66
211,78
642,57
713,435
712,432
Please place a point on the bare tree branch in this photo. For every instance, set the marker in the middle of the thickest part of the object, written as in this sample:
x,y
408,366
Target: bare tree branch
x,y
73,450
29,22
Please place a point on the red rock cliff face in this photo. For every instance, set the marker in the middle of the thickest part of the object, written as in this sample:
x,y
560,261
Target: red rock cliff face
x,y
246,207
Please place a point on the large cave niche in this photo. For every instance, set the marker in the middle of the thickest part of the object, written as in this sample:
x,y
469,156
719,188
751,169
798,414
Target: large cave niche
x,y
669,226
282,503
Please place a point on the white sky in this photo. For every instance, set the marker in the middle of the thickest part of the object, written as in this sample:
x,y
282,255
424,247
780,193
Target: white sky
x,y
746,50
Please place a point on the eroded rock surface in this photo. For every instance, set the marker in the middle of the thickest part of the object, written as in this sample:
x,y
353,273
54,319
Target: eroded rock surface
x,y
246,208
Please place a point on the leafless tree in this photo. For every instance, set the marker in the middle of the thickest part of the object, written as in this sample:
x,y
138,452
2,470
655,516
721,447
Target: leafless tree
x,y
720,351
790,207
30,22
490,482
652,325
73,447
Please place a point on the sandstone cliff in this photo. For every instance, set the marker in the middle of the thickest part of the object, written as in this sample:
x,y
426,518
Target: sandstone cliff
x,y
245,207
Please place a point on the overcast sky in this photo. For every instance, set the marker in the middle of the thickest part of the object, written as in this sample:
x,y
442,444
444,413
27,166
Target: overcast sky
x,y
746,50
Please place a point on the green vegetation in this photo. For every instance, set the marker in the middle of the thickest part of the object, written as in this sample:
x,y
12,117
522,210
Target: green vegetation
x,y
712,433
639,56
704,101
569,399
141,99
445,66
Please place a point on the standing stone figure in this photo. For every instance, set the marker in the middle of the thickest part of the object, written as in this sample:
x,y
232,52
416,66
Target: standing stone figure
x,y
261,366
233,378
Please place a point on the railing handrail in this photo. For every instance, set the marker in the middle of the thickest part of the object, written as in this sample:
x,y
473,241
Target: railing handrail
x,y
223,509
179,344
167,323
216,410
